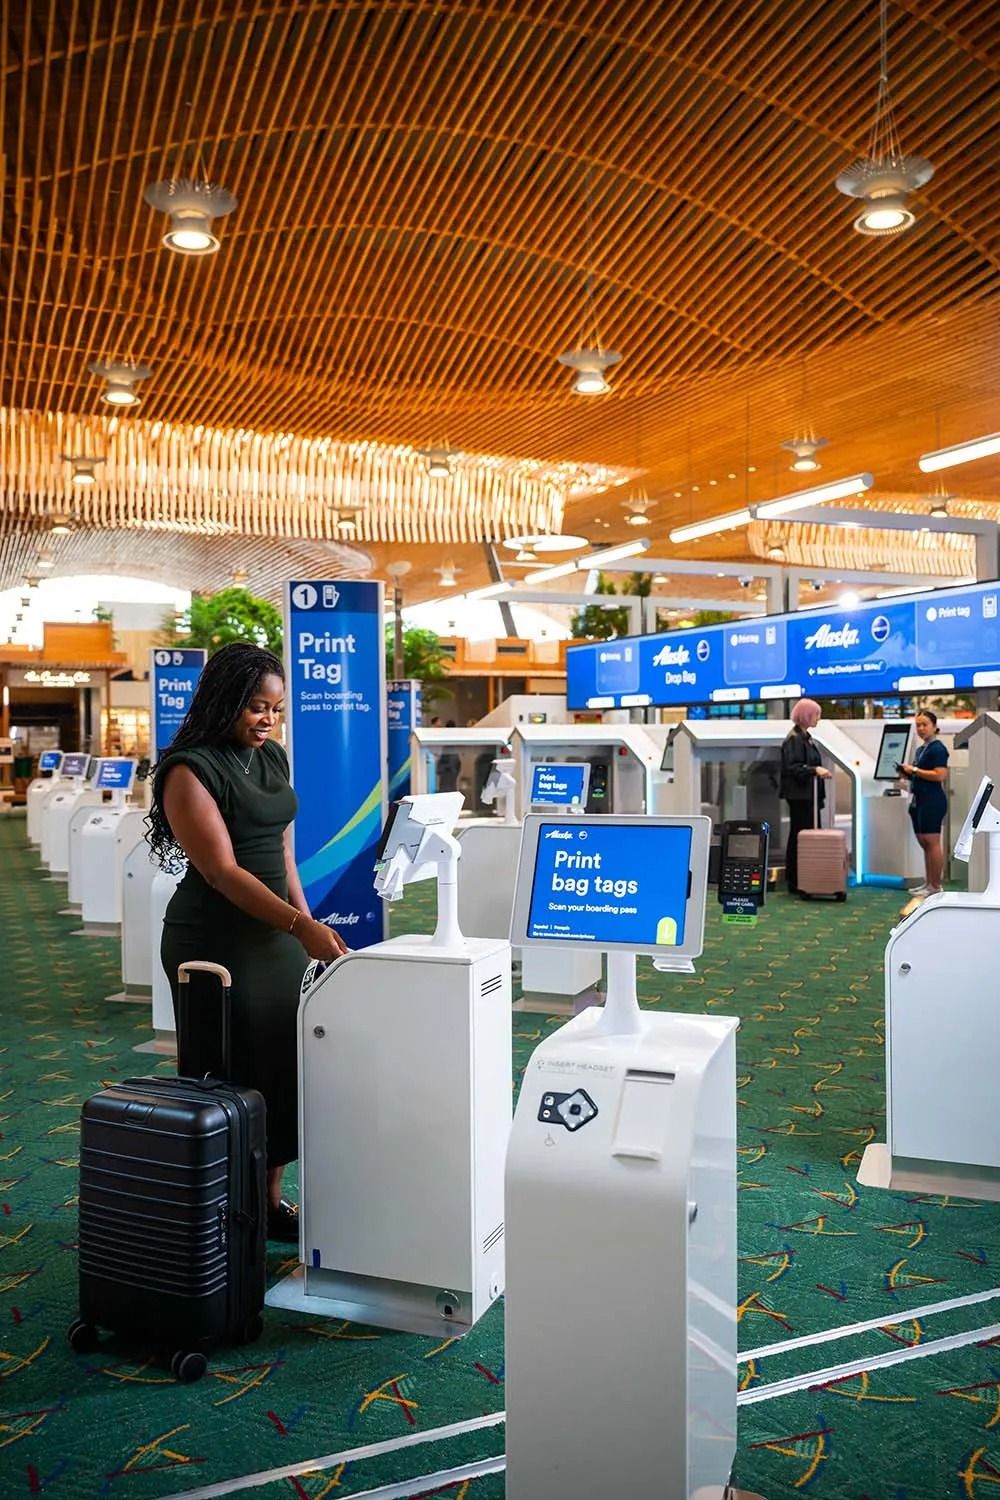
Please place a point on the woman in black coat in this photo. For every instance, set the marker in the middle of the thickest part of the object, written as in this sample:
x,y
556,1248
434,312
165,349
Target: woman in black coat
x,y
801,769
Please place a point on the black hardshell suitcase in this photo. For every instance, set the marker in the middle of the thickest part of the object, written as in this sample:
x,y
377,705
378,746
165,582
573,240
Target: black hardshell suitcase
x,y
173,1211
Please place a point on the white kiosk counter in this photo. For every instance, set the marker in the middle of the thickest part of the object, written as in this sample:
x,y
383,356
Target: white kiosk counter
x,y
70,792
49,763
731,769
100,860
978,740
942,1041
621,1186
405,1079
457,760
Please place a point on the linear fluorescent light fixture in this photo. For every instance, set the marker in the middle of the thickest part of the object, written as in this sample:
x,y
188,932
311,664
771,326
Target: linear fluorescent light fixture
x,y
961,453
783,505
590,560
837,489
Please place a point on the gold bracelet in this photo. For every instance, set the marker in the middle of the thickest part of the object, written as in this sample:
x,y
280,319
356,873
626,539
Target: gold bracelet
x,y
294,920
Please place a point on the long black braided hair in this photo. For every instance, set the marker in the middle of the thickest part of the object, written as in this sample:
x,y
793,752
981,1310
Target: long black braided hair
x,y
229,681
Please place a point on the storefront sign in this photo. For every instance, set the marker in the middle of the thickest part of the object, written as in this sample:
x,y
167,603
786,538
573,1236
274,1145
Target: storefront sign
x,y
43,677
335,665
402,715
173,677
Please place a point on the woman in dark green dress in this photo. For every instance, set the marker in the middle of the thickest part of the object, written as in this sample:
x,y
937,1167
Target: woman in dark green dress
x,y
222,799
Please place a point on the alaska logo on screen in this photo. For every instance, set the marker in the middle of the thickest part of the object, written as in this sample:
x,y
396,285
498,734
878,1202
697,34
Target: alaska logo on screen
x,y
672,656
827,637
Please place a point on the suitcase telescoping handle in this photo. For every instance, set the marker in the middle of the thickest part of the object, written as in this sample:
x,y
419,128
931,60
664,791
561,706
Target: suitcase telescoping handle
x,y
817,820
202,966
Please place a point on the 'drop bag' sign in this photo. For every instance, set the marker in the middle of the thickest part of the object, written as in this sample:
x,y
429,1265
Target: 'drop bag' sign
x,y
335,692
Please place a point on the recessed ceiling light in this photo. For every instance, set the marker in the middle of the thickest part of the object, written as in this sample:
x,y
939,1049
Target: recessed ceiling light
x,y
751,468
730,476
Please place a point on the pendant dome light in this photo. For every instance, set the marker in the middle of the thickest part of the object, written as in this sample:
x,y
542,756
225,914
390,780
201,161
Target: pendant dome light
x,y
590,359
590,365
885,177
447,575
83,467
192,205
638,508
805,450
438,462
120,382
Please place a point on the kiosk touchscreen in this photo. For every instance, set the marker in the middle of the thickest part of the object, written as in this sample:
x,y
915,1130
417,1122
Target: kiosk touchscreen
x,y
891,751
76,767
114,775
560,784
49,761
626,883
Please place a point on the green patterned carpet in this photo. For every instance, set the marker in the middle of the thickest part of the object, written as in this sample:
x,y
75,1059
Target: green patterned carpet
x,y
816,1251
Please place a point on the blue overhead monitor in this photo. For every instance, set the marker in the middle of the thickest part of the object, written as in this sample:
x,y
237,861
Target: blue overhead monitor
x,y
76,766
940,641
619,883
50,760
560,784
115,775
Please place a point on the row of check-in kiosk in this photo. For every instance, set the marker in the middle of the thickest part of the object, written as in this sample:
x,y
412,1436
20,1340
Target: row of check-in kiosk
x,y
87,817
725,769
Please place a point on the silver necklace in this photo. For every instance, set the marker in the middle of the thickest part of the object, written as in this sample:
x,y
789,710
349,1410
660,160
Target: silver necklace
x,y
244,768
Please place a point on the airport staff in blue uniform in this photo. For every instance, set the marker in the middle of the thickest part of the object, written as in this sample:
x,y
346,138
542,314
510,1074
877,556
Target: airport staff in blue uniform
x,y
927,775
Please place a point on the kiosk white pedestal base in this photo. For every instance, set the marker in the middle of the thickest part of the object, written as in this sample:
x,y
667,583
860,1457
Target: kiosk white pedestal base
x,y
164,1043
879,1169
942,1046
405,1101
101,873
621,1263
487,873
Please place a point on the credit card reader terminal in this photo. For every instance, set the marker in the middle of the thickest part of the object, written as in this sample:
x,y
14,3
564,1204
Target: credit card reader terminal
x,y
743,861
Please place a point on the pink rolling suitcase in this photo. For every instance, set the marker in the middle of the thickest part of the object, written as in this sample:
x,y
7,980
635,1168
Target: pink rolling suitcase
x,y
822,858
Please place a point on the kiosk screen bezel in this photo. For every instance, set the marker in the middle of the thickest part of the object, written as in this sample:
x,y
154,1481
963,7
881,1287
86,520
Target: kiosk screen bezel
x,y
560,765
694,911
100,785
887,771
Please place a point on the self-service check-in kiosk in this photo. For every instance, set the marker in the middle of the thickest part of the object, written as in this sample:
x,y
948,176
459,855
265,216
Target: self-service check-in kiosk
x,y
489,848
100,862
49,763
458,760
621,1186
730,769
624,761
942,1042
70,792
405,1099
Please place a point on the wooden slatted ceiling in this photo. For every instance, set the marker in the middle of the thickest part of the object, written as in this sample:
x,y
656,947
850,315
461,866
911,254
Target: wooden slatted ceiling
x,y
189,561
412,240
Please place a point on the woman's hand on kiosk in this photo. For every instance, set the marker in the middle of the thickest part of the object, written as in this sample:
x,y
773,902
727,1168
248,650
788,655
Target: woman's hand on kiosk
x,y
906,770
319,940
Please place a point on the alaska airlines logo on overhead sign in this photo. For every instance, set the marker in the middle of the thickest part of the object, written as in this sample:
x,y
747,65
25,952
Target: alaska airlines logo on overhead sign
x,y
672,656
826,636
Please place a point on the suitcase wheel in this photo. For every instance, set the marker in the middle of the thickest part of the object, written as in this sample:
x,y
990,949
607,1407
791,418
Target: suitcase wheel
x,y
83,1337
188,1367
841,896
251,1331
